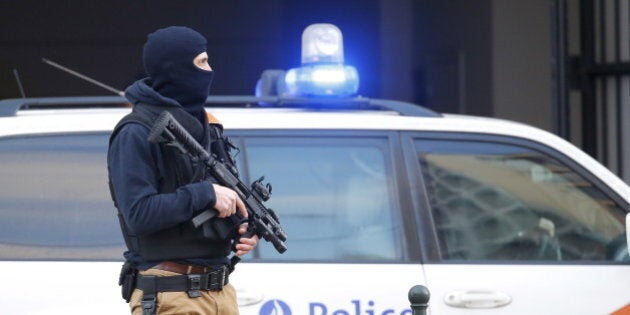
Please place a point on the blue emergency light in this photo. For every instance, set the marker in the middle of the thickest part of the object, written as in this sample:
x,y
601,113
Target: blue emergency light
x,y
323,72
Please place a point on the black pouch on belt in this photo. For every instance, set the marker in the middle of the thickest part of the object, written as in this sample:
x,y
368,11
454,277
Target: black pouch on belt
x,y
127,280
221,229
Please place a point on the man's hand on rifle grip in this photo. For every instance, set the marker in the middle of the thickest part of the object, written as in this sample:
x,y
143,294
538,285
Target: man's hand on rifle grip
x,y
227,202
247,242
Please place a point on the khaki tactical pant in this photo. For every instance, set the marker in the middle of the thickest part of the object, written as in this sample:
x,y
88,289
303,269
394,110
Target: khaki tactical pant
x,y
209,303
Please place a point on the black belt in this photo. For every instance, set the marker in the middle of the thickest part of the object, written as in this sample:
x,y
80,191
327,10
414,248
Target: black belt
x,y
193,283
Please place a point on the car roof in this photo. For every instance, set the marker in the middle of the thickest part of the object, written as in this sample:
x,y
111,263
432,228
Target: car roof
x,y
104,119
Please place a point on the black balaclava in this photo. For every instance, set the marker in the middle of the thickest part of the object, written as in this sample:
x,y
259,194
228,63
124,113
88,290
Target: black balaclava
x,y
168,60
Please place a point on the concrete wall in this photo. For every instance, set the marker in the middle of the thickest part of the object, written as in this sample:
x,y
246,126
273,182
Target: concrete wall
x,y
396,35
482,57
521,61
452,56
103,39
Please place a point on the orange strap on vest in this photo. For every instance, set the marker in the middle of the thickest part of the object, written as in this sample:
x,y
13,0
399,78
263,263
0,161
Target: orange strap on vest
x,y
212,119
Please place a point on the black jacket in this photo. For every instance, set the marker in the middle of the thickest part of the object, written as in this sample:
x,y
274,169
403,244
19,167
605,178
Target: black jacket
x,y
151,209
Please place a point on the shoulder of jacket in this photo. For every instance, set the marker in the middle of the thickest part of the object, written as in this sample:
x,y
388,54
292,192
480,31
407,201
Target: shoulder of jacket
x,y
131,123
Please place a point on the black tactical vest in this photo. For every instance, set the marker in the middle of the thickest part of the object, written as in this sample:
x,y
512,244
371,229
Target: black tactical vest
x,y
184,240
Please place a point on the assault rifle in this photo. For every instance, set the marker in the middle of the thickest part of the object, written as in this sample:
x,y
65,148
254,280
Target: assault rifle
x,y
262,220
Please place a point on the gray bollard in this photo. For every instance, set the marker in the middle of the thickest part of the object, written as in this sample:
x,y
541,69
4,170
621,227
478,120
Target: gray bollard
x,y
419,299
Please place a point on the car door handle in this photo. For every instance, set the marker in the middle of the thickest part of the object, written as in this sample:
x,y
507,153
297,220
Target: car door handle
x,y
477,299
247,297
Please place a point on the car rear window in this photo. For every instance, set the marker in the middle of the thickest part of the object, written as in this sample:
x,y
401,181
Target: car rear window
x,y
54,201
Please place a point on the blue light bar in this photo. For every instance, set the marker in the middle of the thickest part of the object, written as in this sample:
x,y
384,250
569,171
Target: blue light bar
x,y
322,72
322,80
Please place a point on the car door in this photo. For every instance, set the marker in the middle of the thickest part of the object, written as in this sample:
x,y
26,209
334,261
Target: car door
x,y
515,227
60,242
337,197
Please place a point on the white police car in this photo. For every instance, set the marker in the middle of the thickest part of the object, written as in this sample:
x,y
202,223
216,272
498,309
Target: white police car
x,y
376,196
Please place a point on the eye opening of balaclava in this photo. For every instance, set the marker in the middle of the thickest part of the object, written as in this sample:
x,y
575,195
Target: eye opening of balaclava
x,y
168,58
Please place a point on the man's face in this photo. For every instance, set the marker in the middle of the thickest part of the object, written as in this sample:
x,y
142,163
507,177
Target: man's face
x,y
201,61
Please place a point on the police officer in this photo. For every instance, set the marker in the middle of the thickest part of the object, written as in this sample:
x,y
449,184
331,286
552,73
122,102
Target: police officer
x,y
174,267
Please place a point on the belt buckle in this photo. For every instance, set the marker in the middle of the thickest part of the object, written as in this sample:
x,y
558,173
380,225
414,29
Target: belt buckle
x,y
148,303
216,279
224,279
194,286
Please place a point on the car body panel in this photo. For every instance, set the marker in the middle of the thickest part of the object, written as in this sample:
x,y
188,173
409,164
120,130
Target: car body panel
x,y
331,287
530,288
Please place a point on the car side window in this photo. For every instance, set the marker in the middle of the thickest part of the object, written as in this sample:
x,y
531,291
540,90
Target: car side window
x,y
335,197
54,201
495,201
